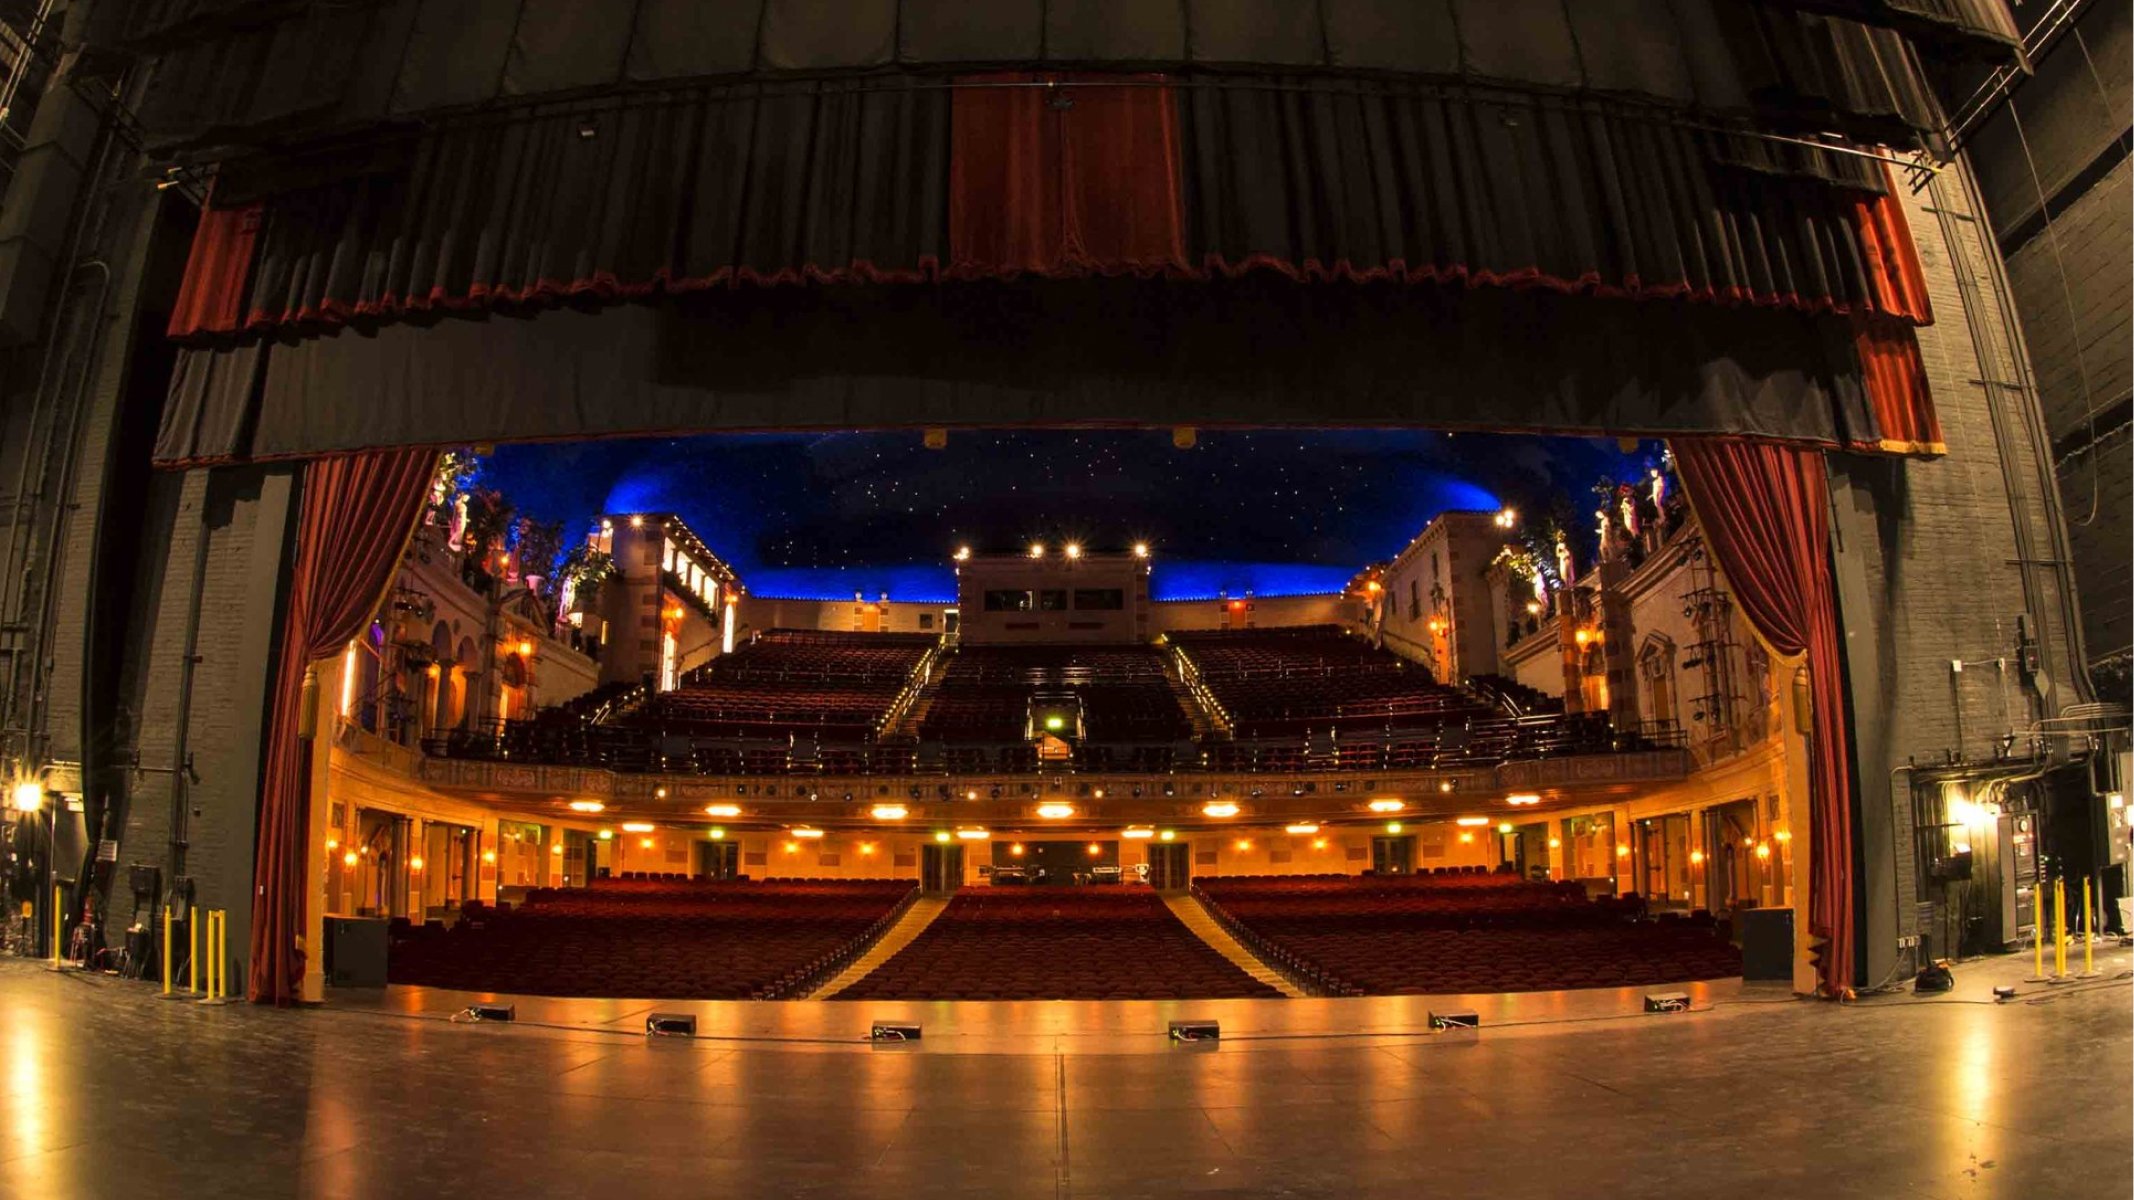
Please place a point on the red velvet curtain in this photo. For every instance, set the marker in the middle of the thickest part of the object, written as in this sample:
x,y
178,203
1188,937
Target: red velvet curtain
x,y
1892,259
1078,180
1764,511
354,522
211,297
1895,378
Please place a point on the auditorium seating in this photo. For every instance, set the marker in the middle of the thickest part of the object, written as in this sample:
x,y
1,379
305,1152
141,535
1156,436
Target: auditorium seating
x,y
1315,697
1468,932
791,683
985,693
666,938
1294,699
1056,943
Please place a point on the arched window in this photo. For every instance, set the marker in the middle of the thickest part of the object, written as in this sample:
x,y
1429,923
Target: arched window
x,y
1656,678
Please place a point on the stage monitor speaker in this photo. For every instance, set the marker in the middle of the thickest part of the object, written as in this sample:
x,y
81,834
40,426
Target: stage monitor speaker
x,y
671,1025
893,1031
493,1012
1195,1031
1766,944
70,842
355,952
1455,1020
1666,1002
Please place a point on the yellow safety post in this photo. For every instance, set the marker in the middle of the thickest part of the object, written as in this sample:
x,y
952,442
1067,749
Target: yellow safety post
x,y
2089,936
166,949
214,956
59,924
192,951
2059,941
2037,936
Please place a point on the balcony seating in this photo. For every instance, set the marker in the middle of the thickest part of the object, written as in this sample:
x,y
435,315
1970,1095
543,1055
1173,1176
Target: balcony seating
x,y
1467,932
985,693
1282,687
661,937
1055,943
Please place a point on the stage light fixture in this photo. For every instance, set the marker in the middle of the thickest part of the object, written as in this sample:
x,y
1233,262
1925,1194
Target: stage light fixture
x,y
963,553
1138,833
717,834
1168,835
415,864
1387,806
1302,829
1393,827
722,810
27,796
1141,549
1467,839
969,834
587,806
1074,549
1055,812
349,859
941,835
1622,852
888,812
806,831
659,793
607,835
1504,827
489,857
1318,843
1037,549
637,522
1696,858
1219,808
638,826
644,843
1016,849
1522,799
1471,821
1095,850
1444,786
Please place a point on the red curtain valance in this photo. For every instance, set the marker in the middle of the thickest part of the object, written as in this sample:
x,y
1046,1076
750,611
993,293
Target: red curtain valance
x,y
1314,179
1764,511
1053,181
217,271
352,527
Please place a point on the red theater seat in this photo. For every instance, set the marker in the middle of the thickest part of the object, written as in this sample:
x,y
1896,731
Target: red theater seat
x,y
1056,944
1469,931
654,938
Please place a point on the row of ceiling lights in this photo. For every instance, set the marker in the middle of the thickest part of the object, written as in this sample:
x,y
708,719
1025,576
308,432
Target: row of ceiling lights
x,y
1058,811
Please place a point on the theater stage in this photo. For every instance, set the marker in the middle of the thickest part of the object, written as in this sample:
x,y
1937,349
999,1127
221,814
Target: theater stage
x,y
1067,1026
106,1090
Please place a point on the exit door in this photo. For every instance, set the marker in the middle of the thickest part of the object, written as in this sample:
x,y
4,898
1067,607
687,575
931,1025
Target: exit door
x,y
1170,865
718,860
1393,855
940,868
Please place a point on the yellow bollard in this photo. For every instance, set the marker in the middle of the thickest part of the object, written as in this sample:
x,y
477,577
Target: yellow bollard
x,y
214,958
2037,935
192,950
2059,941
166,949
2089,936
59,924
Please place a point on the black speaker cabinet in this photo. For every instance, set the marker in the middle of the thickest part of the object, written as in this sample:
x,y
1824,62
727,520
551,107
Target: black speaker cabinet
x,y
355,952
1766,944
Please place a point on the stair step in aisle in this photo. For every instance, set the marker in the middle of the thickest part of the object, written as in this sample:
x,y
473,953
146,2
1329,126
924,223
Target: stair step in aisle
x,y
1187,908
913,923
